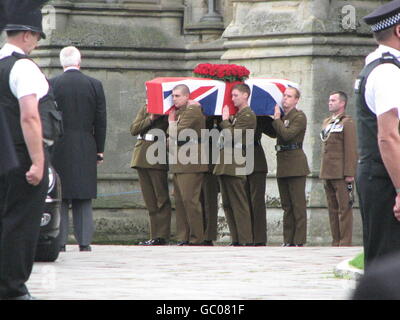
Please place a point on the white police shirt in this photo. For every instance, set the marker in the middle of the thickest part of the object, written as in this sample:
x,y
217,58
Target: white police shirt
x,y
25,76
382,92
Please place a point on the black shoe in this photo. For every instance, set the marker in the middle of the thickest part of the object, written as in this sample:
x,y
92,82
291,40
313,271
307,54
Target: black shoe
x,y
248,244
182,243
153,242
288,245
85,248
63,249
260,244
235,244
195,244
208,243
298,245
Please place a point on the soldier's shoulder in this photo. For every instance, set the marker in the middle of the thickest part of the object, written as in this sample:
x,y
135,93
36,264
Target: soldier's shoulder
x,y
348,117
194,110
348,120
248,112
299,114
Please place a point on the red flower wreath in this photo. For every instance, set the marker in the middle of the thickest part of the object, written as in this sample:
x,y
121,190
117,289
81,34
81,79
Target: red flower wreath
x,y
223,72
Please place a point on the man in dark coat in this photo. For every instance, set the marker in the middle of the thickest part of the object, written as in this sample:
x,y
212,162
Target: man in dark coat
x,y
82,101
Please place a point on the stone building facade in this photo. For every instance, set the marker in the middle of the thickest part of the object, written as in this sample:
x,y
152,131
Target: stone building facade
x,y
320,44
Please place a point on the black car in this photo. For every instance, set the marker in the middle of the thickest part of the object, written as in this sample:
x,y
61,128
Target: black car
x,y
48,246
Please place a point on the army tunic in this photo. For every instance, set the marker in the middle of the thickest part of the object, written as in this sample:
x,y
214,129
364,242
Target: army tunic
x,y
292,169
188,177
153,178
235,199
339,160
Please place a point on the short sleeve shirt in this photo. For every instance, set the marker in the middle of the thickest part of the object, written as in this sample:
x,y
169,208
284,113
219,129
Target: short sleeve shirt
x,y
382,92
25,76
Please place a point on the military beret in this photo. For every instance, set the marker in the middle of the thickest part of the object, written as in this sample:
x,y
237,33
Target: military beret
x,y
384,17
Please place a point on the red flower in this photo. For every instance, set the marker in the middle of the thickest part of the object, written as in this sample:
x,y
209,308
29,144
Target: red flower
x,y
224,72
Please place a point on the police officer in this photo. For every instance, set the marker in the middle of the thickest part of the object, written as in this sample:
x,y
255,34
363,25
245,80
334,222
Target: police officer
x,y
338,167
232,174
8,159
292,167
378,113
153,177
184,130
23,190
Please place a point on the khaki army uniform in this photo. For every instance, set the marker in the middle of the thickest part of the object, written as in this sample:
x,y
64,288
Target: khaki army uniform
x,y
153,178
292,169
232,182
339,160
188,177
256,182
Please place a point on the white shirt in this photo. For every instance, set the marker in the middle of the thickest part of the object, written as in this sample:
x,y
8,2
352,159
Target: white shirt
x,y
382,91
25,76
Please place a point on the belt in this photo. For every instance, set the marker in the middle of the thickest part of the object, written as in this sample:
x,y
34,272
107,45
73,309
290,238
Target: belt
x,y
147,137
287,147
238,146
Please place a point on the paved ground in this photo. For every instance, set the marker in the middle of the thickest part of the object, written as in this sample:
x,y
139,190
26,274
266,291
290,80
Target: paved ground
x,y
194,273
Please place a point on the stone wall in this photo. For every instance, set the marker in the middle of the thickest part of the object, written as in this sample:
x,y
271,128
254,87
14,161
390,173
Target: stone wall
x,y
320,44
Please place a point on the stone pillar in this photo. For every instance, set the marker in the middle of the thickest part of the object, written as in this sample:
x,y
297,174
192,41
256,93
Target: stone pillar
x,y
320,44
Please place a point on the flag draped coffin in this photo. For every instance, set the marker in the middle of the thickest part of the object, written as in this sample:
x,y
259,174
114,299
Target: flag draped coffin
x,y
211,94
266,93
214,94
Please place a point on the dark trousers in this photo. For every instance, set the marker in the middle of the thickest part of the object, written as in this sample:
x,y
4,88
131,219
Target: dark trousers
x,y
293,200
154,185
21,208
381,230
209,200
256,183
82,215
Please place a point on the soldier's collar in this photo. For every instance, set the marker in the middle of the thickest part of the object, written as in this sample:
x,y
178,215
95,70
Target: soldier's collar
x,y
338,117
243,109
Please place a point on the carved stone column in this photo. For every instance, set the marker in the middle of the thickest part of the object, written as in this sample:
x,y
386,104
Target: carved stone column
x,y
211,15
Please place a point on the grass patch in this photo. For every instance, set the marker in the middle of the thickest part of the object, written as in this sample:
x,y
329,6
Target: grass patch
x,y
358,261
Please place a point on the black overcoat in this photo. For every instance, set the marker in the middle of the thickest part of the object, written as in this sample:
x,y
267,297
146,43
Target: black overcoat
x,y
82,103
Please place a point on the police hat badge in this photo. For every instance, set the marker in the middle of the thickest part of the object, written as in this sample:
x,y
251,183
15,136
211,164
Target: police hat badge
x,y
22,15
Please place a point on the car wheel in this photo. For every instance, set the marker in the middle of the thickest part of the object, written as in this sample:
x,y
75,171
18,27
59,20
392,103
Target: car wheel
x,y
48,251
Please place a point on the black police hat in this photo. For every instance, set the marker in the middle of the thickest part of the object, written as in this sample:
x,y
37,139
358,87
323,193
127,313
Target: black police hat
x,y
23,15
384,17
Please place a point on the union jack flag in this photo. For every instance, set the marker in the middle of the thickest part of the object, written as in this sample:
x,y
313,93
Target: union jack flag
x,y
214,94
266,93
211,94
